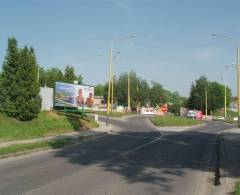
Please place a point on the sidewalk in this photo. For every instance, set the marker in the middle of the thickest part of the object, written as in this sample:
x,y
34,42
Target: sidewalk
x,y
229,160
85,133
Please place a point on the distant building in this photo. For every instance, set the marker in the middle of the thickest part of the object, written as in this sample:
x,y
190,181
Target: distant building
x,y
234,104
98,100
46,94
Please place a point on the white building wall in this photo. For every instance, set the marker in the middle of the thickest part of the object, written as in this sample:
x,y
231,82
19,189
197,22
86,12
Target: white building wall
x,y
46,94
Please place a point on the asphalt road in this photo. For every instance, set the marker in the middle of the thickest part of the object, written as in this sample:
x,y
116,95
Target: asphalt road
x,y
137,160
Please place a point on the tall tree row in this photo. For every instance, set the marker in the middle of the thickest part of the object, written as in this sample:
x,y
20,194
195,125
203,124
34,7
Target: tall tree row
x,y
213,92
141,92
48,77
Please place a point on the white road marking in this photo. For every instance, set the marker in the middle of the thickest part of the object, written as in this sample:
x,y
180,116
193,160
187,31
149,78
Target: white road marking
x,y
96,165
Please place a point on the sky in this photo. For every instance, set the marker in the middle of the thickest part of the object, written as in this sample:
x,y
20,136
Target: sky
x,y
173,43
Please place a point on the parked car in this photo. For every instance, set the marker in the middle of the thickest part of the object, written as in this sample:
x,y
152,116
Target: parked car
x,y
191,114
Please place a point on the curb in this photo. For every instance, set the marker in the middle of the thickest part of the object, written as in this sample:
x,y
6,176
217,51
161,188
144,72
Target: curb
x,y
179,128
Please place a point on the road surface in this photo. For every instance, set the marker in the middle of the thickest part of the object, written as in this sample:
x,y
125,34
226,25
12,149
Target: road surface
x,y
137,160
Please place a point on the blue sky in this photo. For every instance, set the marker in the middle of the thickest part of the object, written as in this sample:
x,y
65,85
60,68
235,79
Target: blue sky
x,y
173,44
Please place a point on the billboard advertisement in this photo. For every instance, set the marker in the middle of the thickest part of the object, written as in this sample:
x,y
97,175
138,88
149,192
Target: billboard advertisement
x,y
72,95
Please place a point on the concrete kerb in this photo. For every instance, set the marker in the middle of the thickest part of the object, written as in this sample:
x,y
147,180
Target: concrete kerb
x,y
228,182
180,128
168,128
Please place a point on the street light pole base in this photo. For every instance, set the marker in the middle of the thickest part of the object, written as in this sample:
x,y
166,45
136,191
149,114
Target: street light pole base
x,y
238,121
107,120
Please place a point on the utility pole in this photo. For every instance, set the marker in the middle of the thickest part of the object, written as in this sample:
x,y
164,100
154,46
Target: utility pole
x,y
225,100
110,80
129,102
112,88
206,103
137,99
238,69
109,86
238,85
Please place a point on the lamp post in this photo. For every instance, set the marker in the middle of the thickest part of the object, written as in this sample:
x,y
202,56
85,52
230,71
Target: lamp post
x,y
238,69
225,96
110,80
129,94
206,102
225,99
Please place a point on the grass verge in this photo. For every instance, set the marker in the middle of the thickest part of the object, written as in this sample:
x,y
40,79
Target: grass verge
x,y
27,147
114,114
47,124
165,121
237,189
227,120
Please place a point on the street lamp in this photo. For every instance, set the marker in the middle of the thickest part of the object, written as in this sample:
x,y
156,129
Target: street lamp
x,y
238,68
206,102
110,81
225,91
118,53
225,95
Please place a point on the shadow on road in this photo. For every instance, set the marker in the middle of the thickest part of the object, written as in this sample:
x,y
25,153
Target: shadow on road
x,y
145,157
230,154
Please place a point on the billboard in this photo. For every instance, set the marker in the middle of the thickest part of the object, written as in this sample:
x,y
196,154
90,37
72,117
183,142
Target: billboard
x,y
71,95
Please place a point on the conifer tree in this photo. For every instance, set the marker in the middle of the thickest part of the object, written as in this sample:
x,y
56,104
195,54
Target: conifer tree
x,y
8,84
69,75
19,94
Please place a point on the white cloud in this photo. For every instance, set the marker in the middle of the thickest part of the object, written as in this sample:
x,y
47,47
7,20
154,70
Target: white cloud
x,y
204,54
123,5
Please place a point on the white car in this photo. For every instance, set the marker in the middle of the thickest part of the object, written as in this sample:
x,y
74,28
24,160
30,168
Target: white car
x,y
148,111
191,114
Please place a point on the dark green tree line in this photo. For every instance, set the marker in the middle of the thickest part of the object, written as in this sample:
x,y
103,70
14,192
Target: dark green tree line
x,y
48,77
213,91
142,93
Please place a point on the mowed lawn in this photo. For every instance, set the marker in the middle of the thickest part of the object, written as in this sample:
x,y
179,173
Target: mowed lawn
x,y
165,121
114,114
47,124
237,189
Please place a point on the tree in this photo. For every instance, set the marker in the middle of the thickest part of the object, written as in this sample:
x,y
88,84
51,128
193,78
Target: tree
x,y
216,95
8,77
99,90
197,94
213,90
69,75
19,86
175,102
157,94
121,86
80,79
50,76
143,92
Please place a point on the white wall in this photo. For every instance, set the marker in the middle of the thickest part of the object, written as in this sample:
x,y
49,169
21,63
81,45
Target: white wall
x,y
46,94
